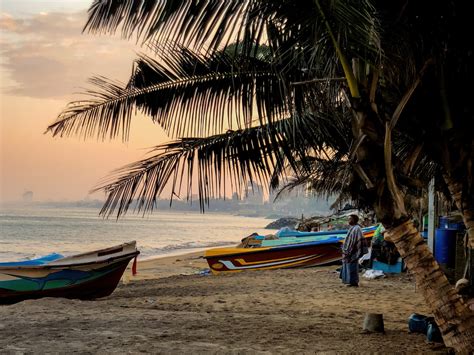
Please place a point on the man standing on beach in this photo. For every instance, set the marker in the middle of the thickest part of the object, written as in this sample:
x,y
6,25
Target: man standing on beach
x,y
354,247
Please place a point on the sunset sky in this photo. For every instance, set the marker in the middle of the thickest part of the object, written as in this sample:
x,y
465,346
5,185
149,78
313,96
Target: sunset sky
x,y
44,60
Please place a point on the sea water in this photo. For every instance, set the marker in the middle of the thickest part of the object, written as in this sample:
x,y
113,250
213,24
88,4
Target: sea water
x,y
31,231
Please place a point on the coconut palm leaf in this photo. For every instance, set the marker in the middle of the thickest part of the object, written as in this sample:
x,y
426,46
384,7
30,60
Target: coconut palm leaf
x,y
188,94
220,162
176,20
216,23
333,174
327,176
337,178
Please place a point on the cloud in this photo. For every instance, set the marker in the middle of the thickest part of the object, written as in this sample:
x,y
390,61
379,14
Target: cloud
x,y
47,55
7,22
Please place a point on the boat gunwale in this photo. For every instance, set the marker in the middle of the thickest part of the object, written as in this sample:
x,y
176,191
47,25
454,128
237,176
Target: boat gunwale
x,y
272,249
71,265
131,243
302,234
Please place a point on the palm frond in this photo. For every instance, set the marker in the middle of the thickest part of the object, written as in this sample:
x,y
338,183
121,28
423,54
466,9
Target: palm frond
x,y
334,175
289,27
188,94
187,22
413,159
233,158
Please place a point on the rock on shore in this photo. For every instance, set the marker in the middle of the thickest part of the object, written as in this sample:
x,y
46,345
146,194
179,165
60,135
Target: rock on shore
x,y
289,222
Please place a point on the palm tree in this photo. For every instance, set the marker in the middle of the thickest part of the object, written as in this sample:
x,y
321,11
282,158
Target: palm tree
x,y
441,115
262,78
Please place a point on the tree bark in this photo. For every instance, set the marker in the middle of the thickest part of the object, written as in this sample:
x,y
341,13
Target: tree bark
x,y
453,317
464,203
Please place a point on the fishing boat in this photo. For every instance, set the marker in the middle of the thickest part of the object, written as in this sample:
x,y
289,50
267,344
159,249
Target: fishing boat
x,y
292,250
306,254
289,236
84,276
287,232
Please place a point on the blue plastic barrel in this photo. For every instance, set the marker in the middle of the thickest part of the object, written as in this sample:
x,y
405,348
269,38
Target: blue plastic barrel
x,y
445,246
418,323
433,334
443,222
457,225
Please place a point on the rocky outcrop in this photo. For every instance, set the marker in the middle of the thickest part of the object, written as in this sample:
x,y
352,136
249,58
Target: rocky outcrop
x,y
289,222
335,221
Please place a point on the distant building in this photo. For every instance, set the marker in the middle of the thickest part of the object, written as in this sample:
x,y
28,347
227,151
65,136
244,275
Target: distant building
x,y
253,193
235,197
27,196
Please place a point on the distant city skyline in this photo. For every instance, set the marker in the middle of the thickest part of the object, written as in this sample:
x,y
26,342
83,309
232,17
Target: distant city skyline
x,y
250,207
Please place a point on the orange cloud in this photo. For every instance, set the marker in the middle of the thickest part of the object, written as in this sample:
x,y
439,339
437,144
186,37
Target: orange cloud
x,y
8,23
49,56
44,60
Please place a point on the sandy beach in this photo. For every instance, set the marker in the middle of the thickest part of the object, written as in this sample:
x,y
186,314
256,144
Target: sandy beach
x,y
169,307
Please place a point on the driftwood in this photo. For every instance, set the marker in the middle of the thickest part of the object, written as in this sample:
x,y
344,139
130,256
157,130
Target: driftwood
x,y
373,322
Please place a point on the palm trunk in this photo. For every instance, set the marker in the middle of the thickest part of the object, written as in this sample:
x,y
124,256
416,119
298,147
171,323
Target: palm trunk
x,y
455,320
464,204
373,165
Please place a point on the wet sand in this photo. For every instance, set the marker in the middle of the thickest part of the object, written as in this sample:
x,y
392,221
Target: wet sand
x,y
170,308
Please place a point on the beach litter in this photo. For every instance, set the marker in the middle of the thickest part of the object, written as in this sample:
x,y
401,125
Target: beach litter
x,y
418,323
373,323
372,274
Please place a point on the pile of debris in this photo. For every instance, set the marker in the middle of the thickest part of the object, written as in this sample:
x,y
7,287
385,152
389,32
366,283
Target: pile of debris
x,y
336,221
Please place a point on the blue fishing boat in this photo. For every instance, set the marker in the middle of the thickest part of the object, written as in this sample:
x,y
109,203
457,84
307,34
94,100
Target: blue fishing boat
x,y
289,236
85,276
290,249
287,232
